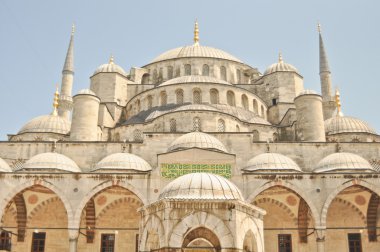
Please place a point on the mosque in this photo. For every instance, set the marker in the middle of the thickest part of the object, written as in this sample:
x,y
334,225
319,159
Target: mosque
x,y
195,151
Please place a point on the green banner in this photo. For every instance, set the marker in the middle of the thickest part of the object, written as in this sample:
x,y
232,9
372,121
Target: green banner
x,y
177,170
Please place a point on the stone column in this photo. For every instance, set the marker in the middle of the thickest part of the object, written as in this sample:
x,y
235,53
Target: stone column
x,y
73,240
320,239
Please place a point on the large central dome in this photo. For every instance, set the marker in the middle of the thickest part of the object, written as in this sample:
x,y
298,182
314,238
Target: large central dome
x,y
195,51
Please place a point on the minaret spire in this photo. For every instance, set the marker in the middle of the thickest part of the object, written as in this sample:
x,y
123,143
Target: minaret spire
x,y
196,33
65,100
328,100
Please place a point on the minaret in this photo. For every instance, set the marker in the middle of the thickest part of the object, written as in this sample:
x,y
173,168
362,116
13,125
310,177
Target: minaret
x,y
325,76
65,99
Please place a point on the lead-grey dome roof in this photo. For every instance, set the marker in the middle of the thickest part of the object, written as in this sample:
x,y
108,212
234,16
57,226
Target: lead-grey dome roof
x,y
201,186
346,124
194,79
343,161
50,161
4,167
195,51
271,161
110,67
198,140
122,162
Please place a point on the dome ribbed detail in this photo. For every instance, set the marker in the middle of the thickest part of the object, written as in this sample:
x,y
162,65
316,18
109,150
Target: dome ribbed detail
x,y
195,51
197,140
280,67
122,162
4,167
201,186
271,161
50,161
194,79
343,161
47,124
346,124
110,68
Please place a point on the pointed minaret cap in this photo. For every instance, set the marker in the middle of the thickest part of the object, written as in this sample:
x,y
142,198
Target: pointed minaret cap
x,y
196,33
69,61
323,62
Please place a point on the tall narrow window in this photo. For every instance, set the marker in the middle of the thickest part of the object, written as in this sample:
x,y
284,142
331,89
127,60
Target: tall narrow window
x,y
255,136
173,125
196,124
238,76
205,70
163,98
145,79
231,98
221,126
107,243
197,97
223,73
255,107
170,72
179,96
284,243
244,101
138,106
237,128
262,112
160,75
5,241
354,243
38,242
187,69
150,102
214,96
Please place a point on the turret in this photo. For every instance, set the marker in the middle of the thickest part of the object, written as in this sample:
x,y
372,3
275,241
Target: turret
x,y
310,123
325,76
65,99
84,126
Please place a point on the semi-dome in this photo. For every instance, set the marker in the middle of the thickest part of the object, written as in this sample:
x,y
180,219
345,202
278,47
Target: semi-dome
x,y
47,124
271,161
195,51
280,66
86,91
197,140
194,79
201,186
50,161
122,162
4,167
346,124
110,67
343,161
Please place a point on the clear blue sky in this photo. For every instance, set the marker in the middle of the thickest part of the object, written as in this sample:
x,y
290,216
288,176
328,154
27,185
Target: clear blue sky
x,y
34,36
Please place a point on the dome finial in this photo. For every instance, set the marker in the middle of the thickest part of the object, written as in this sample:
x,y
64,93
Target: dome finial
x,y
280,60
196,33
111,59
55,103
338,103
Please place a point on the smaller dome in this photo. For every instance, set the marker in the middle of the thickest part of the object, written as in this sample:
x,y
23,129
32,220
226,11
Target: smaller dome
x,y
194,79
123,162
47,124
271,161
343,161
201,186
86,91
50,161
110,67
346,124
280,66
307,92
198,140
4,167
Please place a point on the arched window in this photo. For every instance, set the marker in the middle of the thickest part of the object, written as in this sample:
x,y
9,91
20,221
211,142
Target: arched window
x,y
275,137
223,73
237,128
221,126
238,76
255,107
149,101
170,72
187,69
173,125
255,136
137,135
262,111
145,78
179,96
196,124
214,96
230,98
244,101
155,76
163,98
205,70
197,96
